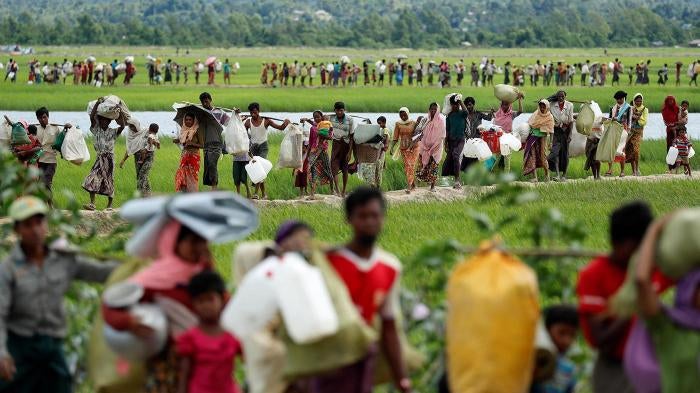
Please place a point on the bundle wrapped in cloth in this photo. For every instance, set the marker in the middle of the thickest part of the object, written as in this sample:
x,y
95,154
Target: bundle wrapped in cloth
x,y
216,216
113,108
324,128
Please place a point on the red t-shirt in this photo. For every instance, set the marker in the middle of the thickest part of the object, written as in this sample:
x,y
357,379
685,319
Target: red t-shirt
x,y
372,283
597,283
212,360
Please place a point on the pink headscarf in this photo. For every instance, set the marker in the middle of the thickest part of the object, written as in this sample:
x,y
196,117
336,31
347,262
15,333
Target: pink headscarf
x,y
504,119
433,135
169,270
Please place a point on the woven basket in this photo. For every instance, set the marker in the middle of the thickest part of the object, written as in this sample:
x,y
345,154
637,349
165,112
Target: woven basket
x,y
367,154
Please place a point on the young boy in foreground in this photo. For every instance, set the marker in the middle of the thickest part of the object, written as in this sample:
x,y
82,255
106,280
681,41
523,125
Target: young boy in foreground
x,y
561,322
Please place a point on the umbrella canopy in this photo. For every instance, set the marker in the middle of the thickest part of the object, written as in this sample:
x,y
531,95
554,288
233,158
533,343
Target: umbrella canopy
x,y
218,217
210,60
204,116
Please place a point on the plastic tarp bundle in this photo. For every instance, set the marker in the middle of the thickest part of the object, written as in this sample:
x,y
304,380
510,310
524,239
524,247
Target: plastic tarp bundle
x,y
367,133
577,144
585,119
493,311
291,155
218,217
18,135
74,148
477,148
522,131
607,148
506,93
678,249
112,108
236,136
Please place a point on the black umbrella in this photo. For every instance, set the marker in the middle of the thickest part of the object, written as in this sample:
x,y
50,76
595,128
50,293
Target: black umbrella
x,y
204,116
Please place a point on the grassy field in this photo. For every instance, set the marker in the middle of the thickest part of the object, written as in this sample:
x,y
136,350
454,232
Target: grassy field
x,y
280,181
141,96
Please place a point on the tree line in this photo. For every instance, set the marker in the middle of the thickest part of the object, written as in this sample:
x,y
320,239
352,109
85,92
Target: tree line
x,y
365,24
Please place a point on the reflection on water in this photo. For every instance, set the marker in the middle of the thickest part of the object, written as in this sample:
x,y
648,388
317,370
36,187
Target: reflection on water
x,y
655,128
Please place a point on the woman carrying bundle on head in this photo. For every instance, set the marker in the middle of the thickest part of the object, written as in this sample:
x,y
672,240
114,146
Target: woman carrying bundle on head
x,y
541,126
403,136
432,142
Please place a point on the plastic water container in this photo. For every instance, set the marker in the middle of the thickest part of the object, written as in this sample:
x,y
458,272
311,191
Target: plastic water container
x,y
257,169
132,347
307,309
509,144
672,155
254,304
477,148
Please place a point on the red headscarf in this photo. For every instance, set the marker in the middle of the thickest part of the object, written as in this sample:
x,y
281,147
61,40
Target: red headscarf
x,y
670,110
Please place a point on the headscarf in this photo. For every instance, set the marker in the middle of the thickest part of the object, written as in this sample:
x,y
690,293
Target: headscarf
x,y
543,121
408,119
187,133
433,135
504,119
136,141
670,110
168,270
683,311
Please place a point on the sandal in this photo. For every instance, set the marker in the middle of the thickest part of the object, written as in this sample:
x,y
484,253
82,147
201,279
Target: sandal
x,y
255,197
89,206
608,174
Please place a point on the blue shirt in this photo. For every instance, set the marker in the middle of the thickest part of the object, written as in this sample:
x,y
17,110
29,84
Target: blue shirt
x,y
563,381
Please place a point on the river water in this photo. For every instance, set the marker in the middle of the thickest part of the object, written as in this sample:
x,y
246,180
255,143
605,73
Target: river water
x,y
655,128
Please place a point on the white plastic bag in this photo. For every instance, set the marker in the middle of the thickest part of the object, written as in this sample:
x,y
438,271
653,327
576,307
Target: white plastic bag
x,y
672,155
254,304
446,105
307,309
691,153
291,155
74,148
509,144
112,108
477,148
236,136
620,151
577,145
522,131
365,132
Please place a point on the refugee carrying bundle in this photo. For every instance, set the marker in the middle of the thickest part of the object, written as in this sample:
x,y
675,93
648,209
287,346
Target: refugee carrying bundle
x,y
678,249
509,144
585,119
257,169
367,133
74,148
112,108
493,311
607,148
447,105
19,135
506,93
236,136
291,154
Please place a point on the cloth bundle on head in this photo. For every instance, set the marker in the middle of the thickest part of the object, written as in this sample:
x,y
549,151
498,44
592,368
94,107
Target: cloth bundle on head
x,y
112,107
215,216
434,133
542,121
447,104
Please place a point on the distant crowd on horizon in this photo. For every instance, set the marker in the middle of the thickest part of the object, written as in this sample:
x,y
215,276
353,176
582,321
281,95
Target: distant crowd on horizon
x,y
344,73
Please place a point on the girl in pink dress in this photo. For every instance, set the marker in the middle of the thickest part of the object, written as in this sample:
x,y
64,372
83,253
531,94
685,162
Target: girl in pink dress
x,y
207,351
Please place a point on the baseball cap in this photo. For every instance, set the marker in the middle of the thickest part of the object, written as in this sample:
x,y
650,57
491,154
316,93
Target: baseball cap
x,y
25,207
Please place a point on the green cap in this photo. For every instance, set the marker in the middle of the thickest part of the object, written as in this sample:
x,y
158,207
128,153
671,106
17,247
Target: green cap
x,y
26,207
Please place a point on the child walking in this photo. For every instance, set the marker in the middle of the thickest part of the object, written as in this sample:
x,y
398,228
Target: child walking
x,y
207,351
683,144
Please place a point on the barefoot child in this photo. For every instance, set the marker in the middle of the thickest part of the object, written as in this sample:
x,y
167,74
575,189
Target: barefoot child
x,y
142,144
208,352
683,144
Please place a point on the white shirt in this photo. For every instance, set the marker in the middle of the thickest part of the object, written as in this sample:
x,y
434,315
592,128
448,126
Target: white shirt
x,y
584,69
47,136
258,134
561,117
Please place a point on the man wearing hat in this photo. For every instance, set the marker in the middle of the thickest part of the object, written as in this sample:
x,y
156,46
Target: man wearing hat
x,y
33,280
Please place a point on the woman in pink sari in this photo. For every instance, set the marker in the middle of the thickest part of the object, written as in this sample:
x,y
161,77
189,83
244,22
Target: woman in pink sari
x,y
433,140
